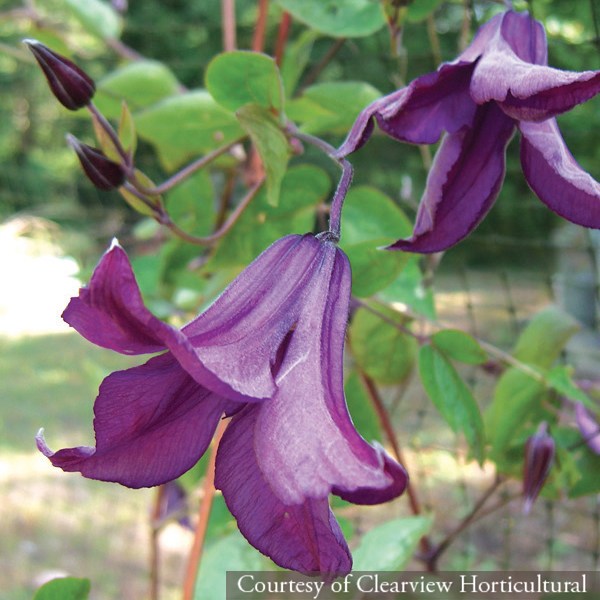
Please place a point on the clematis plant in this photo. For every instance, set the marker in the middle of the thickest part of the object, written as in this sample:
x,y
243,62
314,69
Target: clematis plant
x,y
268,353
500,83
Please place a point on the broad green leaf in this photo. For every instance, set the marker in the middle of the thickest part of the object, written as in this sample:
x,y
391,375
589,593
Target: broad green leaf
x,y
372,267
97,17
370,214
271,143
544,338
140,83
516,395
420,9
184,126
409,289
460,346
302,189
331,107
64,588
384,352
372,220
229,553
361,409
237,78
452,398
295,59
390,546
338,18
588,467
560,379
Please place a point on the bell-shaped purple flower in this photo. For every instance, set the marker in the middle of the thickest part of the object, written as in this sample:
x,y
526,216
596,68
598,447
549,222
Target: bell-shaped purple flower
x,y
500,83
269,352
589,428
71,86
540,449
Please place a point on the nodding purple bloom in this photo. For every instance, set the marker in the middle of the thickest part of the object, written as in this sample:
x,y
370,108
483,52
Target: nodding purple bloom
x,y
71,86
589,428
540,449
500,83
269,353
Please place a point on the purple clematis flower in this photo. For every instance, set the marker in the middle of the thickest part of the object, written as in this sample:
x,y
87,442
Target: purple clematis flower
x,y
269,353
589,428
500,83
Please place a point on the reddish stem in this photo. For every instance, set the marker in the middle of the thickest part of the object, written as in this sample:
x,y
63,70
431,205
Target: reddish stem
x,y
258,41
228,26
203,516
391,436
282,35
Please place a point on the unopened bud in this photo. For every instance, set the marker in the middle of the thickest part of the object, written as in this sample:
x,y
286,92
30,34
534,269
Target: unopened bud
x,y
539,456
588,427
104,173
69,84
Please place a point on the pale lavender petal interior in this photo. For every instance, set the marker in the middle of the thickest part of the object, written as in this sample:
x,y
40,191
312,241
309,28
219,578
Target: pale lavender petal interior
x,y
152,423
556,177
306,444
589,428
304,536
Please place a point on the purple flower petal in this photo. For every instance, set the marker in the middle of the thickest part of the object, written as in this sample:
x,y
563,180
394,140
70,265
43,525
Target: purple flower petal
x,y
431,104
513,71
110,312
303,536
588,427
306,444
463,182
152,424
556,177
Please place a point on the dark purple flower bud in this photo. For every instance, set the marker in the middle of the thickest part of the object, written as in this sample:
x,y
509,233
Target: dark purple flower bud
x,y
104,173
539,456
71,86
588,427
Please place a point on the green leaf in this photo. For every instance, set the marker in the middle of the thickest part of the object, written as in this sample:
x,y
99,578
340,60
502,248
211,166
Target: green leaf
x,y
390,546
338,18
229,553
588,467
140,83
409,289
237,78
452,398
384,352
420,9
303,188
271,143
97,17
186,125
460,346
331,107
545,337
295,59
560,379
361,409
372,220
516,395
64,588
